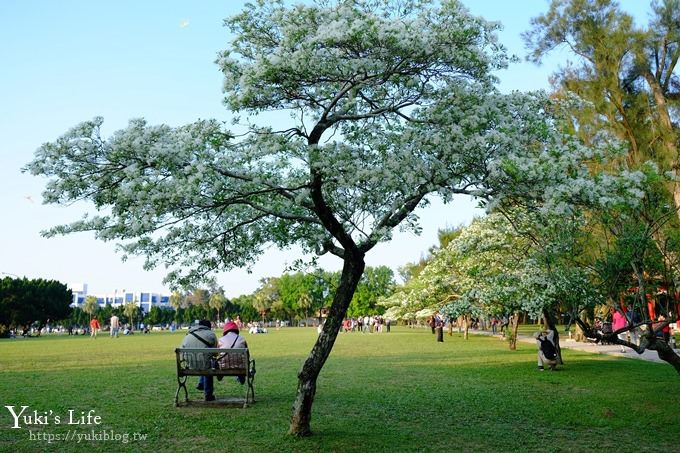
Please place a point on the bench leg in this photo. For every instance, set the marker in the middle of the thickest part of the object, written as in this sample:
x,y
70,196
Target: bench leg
x,y
181,384
249,381
250,390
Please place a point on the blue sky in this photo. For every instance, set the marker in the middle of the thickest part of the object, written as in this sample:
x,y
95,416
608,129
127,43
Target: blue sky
x,y
67,61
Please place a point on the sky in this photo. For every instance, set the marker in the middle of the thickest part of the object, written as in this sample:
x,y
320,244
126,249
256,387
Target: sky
x,y
68,61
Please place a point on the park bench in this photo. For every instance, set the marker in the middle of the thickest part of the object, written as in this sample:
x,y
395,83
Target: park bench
x,y
216,362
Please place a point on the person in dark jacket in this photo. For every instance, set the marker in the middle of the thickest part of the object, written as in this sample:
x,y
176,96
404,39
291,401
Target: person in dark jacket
x,y
547,353
202,336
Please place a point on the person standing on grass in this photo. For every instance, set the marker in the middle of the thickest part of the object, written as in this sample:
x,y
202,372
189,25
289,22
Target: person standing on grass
x,y
431,323
439,327
505,322
619,321
202,336
115,326
94,327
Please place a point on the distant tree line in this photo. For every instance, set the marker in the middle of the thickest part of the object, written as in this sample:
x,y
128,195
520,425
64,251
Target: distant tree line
x,y
292,297
25,303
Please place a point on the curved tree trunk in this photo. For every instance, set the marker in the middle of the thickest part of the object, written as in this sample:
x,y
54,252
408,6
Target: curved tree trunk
x,y
352,270
666,353
647,341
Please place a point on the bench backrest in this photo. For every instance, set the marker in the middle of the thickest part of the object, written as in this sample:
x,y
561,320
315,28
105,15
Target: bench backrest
x,y
198,361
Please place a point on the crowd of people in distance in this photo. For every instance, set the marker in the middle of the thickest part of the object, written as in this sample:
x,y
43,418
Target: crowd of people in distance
x,y
252,327
367,324
620,318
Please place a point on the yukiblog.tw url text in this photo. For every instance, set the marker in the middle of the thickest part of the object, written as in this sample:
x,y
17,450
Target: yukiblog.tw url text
x,y
78,436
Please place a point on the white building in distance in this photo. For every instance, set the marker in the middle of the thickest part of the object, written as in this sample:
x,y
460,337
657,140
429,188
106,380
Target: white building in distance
x,y
144,300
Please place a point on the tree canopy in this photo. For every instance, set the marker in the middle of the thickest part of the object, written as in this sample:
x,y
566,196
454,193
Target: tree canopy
x,y
24,302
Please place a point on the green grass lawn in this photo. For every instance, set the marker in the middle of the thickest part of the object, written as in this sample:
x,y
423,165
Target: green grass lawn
x,y
401,391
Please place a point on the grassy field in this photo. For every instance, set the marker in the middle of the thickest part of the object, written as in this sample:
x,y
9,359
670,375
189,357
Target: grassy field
x,y
401,391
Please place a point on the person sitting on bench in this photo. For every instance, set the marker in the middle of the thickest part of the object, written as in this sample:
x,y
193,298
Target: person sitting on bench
x,y
202,336
232,340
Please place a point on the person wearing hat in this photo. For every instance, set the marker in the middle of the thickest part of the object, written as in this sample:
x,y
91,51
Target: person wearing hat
x,y
202,336
232,340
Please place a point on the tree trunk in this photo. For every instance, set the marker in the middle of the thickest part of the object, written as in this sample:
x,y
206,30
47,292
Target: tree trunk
x,y
514,326
352,270
580,334
666,353
647,341
642,290
667,132
467,326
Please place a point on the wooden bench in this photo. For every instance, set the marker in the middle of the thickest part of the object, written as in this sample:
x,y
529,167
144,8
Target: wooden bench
x,y
216,362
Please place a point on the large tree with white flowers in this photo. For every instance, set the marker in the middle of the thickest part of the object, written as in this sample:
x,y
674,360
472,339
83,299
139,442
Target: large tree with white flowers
x,y
390,103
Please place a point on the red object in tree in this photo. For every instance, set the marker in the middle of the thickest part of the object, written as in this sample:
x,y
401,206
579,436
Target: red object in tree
x,y
651,306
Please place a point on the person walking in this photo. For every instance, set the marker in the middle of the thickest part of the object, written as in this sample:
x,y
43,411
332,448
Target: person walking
x,y
115,326
94,327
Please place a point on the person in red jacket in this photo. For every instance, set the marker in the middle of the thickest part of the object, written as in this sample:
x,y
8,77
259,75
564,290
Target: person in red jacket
x,y
665,330
94,327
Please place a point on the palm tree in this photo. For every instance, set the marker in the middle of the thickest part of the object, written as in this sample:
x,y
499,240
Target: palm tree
x,y
261,303
130,310
305,302
217,301
177,300
90,306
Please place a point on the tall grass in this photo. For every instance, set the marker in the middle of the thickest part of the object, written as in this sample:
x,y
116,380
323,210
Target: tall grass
x,y
400,391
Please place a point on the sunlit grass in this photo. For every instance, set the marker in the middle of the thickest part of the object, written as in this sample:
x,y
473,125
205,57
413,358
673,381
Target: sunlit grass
x,y
401,391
